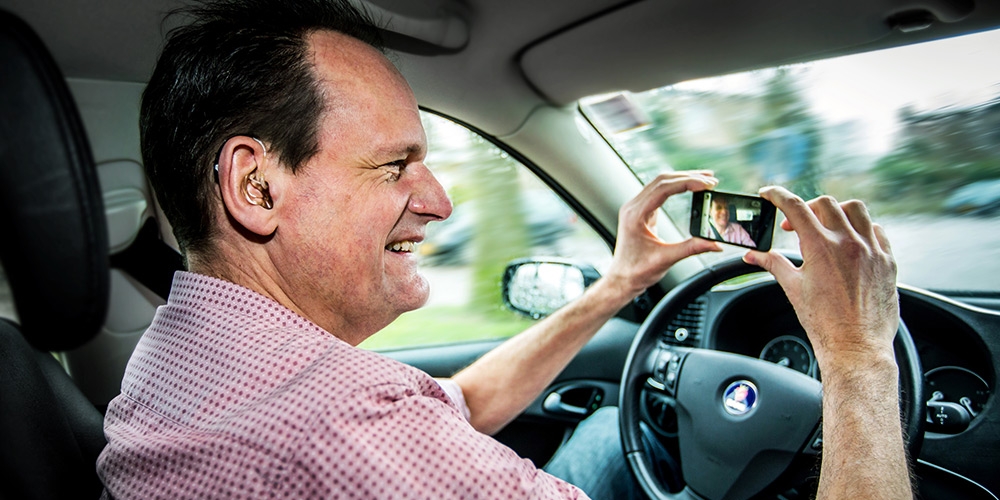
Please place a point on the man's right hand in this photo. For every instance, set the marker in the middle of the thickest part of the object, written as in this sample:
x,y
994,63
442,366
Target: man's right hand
x,y
844,294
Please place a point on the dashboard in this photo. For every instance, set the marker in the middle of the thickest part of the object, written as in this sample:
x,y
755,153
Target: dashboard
x,y
958,345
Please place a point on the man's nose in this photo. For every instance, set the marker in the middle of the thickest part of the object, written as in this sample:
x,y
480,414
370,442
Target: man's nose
x,y
429,197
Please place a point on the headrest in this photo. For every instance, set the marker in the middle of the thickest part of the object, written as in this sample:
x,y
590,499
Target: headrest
x,y
54,246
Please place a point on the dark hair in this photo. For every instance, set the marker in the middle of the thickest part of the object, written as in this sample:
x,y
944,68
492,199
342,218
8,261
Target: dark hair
x,y
239,68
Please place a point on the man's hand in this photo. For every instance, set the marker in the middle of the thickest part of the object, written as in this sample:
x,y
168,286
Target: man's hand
x,y
641,258
844,295
845,292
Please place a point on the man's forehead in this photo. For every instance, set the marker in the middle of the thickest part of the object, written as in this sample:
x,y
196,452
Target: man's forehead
x,y
352,74
339,57
364,91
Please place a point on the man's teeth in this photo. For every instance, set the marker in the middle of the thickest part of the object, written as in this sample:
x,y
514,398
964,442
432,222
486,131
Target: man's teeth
x,y
403,246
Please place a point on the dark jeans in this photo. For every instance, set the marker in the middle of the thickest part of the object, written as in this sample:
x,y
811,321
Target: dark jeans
x,y
593,460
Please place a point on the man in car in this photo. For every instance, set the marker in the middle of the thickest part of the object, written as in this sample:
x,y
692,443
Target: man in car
x,y
287,153
724,229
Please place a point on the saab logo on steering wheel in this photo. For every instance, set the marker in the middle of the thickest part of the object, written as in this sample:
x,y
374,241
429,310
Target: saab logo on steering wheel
x,y
740,397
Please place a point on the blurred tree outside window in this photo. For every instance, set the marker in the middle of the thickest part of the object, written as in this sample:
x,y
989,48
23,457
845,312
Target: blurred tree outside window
x,y
502,212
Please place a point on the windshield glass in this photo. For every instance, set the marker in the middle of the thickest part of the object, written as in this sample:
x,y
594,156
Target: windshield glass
x,y
912,131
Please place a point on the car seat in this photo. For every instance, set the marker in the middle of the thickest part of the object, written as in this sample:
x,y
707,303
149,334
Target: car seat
x,y
54,250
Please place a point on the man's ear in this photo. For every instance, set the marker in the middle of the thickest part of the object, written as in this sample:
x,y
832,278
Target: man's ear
x,y
243,169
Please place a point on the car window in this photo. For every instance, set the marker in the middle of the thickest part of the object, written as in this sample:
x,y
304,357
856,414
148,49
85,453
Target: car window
x,y
913,131
502,211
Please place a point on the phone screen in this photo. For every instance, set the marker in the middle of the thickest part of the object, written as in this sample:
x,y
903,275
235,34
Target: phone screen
x,y
736,219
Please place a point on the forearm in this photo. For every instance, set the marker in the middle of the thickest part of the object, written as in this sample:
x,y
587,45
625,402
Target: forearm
x,y
502,384
863,451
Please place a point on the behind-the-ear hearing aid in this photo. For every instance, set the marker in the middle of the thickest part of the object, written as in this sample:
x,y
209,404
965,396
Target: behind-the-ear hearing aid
x,y
256,180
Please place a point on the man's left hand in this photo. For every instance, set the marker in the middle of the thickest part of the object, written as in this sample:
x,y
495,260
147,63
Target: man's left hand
x,y
641,258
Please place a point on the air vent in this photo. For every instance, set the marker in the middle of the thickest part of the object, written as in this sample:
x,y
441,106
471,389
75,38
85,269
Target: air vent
x,y
685,328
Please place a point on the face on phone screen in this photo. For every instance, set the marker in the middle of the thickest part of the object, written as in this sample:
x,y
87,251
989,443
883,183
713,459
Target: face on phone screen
x,y
747,221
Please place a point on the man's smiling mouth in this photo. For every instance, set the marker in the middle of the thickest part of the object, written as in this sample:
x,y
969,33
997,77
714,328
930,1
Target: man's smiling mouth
x,y
402,246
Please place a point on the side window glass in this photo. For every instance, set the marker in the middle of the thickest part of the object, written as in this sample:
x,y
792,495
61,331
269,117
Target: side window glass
x,y
502,212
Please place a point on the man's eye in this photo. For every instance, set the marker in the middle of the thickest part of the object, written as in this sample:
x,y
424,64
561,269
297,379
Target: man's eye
x,y
395,169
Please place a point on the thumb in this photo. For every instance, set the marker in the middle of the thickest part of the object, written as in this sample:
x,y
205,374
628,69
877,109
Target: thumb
x,y
774,263
693,246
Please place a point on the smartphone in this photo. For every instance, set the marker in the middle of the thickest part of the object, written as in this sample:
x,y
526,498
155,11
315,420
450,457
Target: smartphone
x,y
736,219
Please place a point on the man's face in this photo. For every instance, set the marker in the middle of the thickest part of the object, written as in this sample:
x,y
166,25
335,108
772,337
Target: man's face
x,y
720,214
354,211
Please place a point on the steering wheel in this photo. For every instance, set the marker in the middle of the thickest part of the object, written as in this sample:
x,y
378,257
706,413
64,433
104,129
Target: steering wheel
x,y
741,421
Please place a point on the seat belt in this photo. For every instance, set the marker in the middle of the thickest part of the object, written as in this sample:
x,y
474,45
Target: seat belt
x,y
715,231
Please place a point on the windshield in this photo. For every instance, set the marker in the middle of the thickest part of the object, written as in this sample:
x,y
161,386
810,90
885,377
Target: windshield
x,y
912,131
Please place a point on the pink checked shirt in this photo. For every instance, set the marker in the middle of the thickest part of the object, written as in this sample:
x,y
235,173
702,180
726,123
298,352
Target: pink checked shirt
x,y
231,395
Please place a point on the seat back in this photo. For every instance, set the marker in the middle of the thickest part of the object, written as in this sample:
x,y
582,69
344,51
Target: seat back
x,y
54,250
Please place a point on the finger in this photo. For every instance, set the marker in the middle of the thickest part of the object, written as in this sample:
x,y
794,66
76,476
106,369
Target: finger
x,y
681,174
665,185
691,246
675,252
861,221
829,213
798,215
778,265
695,246
705,172
882,238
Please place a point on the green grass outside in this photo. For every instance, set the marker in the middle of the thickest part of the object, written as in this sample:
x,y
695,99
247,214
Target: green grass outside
x,y
446,325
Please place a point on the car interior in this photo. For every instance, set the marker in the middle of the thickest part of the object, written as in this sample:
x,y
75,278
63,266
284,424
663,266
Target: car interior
x,y
87,256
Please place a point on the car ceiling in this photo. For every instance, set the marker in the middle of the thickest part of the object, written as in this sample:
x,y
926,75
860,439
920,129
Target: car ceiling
x,y
492,62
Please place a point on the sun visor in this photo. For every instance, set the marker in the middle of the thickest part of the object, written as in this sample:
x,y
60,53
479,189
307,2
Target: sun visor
x,y
652,43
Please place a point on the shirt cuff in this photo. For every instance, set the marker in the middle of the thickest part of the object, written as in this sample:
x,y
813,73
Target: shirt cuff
x,y
454,392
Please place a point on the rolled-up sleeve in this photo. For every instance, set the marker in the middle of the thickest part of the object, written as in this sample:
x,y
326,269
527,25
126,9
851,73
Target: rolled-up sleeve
x,y
454,392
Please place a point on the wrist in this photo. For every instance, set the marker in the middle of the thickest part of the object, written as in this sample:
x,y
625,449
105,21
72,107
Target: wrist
x,y
612,293
848,345
859,368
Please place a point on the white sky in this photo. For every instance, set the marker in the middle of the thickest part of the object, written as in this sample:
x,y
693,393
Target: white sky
x,y
870,88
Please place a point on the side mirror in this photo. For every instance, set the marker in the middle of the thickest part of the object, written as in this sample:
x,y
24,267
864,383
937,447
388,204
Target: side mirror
x,y
537,287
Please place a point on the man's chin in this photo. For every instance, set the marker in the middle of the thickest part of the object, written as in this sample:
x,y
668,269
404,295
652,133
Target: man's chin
x,y
416,295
